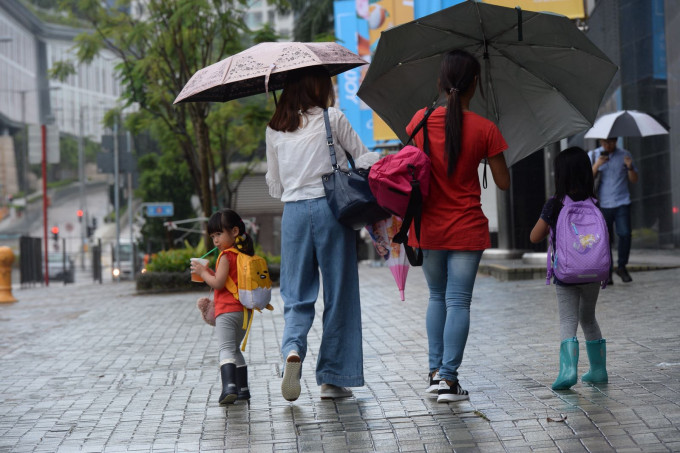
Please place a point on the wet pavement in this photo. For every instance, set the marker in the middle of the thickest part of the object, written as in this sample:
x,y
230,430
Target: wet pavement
x,y
94,368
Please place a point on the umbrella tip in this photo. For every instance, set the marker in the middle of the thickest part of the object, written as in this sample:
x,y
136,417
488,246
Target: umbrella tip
x,y
401,293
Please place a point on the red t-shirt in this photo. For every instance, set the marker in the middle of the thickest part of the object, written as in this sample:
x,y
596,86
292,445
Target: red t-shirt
x,y
452,212
225,302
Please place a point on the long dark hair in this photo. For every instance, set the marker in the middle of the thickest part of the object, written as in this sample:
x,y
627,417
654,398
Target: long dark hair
x,y
573,175
304,88
226,219
456,75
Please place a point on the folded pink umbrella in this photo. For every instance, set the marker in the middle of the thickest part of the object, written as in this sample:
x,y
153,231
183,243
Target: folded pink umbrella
x,y
394,255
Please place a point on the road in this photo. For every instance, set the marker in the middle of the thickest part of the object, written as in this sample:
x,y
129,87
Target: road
x,y
62,213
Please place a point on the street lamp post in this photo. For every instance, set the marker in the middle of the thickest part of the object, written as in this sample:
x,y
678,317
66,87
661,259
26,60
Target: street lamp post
x,y
81,178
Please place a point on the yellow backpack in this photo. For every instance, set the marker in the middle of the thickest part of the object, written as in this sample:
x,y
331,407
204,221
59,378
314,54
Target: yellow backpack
x,y
254,289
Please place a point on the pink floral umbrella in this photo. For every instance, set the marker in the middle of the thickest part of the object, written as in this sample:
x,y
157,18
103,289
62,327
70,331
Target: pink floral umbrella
x,y
394,255
262,68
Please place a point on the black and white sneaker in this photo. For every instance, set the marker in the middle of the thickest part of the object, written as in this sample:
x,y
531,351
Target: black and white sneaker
x,y
449,392
434,382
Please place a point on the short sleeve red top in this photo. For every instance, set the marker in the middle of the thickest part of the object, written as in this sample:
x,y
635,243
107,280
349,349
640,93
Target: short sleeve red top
x,y
225,302
452,212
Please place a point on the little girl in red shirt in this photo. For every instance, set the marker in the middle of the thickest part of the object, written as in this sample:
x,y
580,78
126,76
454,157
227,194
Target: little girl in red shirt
x,y
227,230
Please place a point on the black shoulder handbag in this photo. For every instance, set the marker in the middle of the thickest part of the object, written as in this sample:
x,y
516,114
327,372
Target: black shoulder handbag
x,y
347,192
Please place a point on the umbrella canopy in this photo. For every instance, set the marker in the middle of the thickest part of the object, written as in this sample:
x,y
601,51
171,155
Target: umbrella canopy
x,y
543,79
263,67
394,254
625,123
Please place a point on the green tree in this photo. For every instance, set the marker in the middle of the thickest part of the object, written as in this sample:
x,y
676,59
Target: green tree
x,y
313,19
160,48
164,177
234,124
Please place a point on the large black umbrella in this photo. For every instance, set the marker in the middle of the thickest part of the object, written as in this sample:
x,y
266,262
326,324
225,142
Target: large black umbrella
x,y
543,79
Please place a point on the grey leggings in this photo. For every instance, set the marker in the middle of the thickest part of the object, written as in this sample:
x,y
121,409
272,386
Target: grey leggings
x,y
230,333
576,304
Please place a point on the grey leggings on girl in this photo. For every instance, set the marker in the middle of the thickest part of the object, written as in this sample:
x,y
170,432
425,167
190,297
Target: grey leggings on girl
x,y
576,304
230,333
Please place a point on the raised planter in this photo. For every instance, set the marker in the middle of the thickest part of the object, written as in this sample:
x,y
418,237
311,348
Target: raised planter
x,y
173,282
166,282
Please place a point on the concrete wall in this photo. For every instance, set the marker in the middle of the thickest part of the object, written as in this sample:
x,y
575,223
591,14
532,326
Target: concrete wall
x,y
672,10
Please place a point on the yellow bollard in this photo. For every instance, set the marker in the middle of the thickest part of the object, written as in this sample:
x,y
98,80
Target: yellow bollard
x,y
6,260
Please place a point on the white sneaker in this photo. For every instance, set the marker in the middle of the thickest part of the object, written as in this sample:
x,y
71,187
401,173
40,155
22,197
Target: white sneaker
x,y
330,391
434,383
290,385
451,393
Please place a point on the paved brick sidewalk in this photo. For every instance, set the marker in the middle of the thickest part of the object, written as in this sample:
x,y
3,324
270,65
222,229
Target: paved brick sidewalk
x,y
99,368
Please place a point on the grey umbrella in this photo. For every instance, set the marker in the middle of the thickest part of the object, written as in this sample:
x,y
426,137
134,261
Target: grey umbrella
x,y
626,123
543,79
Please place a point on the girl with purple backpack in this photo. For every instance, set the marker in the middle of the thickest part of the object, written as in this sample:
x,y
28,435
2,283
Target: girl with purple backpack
x,y
575,301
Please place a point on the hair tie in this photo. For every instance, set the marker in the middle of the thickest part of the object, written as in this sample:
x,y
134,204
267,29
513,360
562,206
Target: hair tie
x,y
453,89
238,240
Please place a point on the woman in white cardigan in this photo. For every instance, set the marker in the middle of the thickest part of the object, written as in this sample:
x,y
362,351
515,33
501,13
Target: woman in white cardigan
x,y
312,240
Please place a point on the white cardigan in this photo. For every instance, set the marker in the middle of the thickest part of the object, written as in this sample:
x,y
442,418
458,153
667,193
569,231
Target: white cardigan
x,y
296,160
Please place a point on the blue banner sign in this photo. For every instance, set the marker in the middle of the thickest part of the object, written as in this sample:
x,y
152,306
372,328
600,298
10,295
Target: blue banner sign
x,y
160,209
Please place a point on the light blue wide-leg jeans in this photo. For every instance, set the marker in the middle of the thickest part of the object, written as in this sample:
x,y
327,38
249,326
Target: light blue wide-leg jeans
x,y
450,277
312,240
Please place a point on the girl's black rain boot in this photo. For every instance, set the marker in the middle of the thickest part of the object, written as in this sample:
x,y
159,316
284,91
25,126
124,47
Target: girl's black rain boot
x,y
229,392
242,382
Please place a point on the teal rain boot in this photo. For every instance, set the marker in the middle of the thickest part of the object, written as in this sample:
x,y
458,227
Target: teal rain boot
x,y
597,356
568,365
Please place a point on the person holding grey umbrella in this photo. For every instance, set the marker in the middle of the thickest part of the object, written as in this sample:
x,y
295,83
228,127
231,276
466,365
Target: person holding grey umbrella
x,y
615,168
454,231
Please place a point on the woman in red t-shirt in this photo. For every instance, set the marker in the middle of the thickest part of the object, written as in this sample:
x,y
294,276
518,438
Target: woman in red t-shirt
x,y
454,230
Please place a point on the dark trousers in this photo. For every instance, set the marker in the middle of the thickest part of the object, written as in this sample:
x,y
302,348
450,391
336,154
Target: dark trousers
x,y
619,217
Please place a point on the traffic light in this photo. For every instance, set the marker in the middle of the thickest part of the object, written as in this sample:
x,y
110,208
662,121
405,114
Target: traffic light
x,y
55,233
79,213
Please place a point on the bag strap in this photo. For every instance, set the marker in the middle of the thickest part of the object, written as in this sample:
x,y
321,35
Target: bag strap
x,y
484,180
414,208
413,214
247,323
423,123
331,144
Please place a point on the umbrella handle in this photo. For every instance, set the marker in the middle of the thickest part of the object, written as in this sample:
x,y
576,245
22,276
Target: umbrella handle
x,y
519,23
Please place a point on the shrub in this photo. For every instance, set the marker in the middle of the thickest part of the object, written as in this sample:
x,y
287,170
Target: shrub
x,y
177,260
167,282
268,257
169,270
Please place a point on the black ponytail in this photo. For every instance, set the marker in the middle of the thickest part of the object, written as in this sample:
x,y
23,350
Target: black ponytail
x,y
226,219
457,74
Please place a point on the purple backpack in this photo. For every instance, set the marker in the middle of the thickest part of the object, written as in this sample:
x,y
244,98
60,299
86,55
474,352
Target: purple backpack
x,y
579,245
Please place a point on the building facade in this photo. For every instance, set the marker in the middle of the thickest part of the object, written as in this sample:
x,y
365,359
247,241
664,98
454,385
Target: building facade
x,y
29,49
638,35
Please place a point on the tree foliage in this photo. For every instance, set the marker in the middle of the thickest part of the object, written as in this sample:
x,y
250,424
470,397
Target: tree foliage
x,y
313,18
161,44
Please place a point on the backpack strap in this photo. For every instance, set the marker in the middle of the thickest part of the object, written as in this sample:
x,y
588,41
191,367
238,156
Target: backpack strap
x,y
414,208
550,255
231,285
247,323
